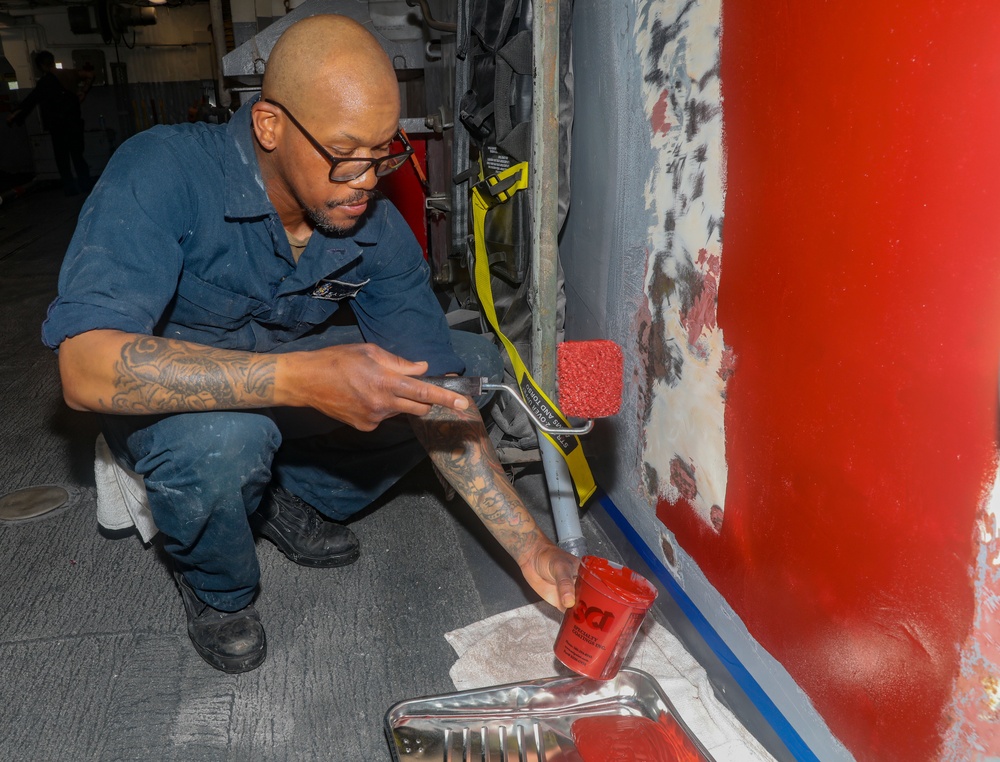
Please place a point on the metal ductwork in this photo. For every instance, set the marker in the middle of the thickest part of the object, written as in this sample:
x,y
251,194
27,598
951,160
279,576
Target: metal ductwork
x,y
247,62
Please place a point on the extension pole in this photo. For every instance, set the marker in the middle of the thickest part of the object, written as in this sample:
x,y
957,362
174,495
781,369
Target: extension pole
x,y
545,256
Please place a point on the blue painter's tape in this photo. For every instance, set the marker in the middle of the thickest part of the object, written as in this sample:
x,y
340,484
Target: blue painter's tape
x,y
792,740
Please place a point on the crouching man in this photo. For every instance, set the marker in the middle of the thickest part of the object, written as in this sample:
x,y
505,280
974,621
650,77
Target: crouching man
x,y
200,314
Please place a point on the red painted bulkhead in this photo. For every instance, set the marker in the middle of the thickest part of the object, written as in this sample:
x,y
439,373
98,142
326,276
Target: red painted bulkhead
x,y
860,293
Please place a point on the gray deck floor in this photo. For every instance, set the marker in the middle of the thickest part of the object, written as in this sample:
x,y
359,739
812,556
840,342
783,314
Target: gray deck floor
x,y
96,660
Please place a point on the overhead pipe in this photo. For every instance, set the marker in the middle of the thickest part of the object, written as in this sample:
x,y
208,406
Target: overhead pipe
x,y
29,10
433,23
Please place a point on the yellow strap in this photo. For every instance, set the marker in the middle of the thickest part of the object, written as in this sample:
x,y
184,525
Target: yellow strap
x,y
486,194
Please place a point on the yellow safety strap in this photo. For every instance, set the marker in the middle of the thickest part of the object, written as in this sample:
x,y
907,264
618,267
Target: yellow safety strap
x,y
487,194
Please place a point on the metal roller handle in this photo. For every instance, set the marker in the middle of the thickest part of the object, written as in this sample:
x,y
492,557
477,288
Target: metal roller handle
x,y
473,386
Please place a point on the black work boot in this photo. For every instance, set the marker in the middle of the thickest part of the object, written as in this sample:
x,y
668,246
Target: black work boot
x,y
232,641
301,533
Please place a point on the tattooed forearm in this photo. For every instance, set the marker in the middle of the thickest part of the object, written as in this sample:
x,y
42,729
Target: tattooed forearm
x,y
457,443
156,375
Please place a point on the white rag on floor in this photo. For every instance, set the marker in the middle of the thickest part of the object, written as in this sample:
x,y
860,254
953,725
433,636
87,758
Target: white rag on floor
x,y
516,646
121,494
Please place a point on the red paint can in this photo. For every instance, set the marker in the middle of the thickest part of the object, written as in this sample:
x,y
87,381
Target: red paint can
x,y
611,604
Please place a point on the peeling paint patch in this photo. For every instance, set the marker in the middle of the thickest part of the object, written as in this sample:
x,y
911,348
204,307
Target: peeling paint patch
x,y
700,317
716,516
669,554
991,687
659,116
728,365
687,361
682,479
975,706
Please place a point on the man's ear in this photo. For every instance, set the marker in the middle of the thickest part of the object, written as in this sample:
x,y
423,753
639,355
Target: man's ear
x,y
265,125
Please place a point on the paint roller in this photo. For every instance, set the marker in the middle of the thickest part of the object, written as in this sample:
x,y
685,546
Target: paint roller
x,y
589,375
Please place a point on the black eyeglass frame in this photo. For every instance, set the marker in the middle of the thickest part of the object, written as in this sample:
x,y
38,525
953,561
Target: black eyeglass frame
x,y
381,166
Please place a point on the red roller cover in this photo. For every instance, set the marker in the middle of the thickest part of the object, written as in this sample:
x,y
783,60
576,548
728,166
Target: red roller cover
x,y
590,378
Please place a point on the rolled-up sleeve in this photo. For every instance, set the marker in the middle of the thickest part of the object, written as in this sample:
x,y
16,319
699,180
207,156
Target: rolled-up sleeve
x,y
123,263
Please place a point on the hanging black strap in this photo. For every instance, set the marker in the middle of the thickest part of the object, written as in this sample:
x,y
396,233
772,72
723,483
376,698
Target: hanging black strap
x,y
513,58
491,24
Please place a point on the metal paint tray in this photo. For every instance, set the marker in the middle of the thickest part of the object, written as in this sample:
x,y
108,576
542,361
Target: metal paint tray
x,y
520,722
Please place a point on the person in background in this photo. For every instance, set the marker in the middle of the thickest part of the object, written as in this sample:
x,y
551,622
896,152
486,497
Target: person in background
x,y
58,94
250,319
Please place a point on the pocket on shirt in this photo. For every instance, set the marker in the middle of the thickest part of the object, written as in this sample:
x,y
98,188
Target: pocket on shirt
x,y
204,304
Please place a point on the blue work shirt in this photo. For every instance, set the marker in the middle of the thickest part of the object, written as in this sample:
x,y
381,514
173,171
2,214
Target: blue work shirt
x,y
179,239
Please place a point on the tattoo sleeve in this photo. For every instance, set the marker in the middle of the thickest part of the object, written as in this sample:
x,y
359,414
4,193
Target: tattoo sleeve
x,y
458,445
156,375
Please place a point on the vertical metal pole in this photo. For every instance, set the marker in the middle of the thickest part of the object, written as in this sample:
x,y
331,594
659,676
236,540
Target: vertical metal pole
x,y
460,143
545,191
223,98
545,257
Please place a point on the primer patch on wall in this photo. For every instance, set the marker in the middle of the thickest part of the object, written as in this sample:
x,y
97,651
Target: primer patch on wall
x,y
686,360
975,712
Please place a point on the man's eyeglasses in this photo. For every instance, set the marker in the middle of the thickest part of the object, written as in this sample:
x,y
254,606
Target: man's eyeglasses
x,y
345,170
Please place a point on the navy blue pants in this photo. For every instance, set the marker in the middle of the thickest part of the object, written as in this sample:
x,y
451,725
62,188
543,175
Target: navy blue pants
x,y
206,472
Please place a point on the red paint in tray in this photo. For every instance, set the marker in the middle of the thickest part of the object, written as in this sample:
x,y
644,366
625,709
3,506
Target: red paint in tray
x,y
615,738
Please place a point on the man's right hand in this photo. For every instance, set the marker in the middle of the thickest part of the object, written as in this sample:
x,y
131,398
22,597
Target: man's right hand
x,y
359,384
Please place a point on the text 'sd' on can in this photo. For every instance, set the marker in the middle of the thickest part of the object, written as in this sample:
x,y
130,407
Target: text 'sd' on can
x,y
611,603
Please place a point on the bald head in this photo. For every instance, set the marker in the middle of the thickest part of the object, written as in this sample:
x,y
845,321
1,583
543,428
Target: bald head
x,y
328,62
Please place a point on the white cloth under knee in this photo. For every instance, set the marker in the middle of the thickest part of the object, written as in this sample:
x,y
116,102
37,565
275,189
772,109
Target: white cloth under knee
x,y
121,494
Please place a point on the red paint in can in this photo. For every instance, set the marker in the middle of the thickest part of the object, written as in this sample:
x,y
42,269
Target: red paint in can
x,y
611,603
